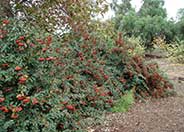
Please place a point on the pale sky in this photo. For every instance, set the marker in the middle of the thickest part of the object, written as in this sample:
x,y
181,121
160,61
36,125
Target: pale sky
x,y
172,7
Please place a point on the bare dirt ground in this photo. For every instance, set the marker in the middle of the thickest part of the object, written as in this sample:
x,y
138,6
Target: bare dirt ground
x,y
156,115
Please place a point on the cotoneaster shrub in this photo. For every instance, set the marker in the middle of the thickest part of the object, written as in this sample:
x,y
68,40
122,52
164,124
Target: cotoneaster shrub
x,y
48,85
25,77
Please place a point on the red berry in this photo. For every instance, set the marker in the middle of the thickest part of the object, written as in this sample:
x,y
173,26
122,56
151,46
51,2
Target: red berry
x,y
20,44
7,90
21,38
6,22
22,80
2,99
103,94
20,97
32,45
57,50
94,52
50,58
4,109
14,116
17,41
110,93
60,126
18,68
17,109
26,100
44,49
97,90
5,65
49,40
106,77
1,36
69,77
81,58
80,54
70,107
40,41
110,101
41,59
123,80
34,101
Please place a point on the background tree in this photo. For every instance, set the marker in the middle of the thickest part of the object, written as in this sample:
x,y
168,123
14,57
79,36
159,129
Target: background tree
x,y
124,7
180,24
180,14
124,13
153,8
150,21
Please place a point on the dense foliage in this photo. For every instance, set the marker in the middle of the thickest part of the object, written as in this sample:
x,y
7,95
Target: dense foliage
x,y
48,85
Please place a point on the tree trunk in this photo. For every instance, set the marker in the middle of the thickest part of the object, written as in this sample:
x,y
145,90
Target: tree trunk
x,y
5,9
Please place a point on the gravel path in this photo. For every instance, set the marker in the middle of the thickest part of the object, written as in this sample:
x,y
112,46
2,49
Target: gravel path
x,y
156,115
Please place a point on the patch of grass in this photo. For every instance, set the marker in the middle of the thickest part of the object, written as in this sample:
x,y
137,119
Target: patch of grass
x,y
124,103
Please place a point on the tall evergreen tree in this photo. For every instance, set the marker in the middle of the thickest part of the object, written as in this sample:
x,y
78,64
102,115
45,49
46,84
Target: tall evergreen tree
x,y
150,21
153,8
123,8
